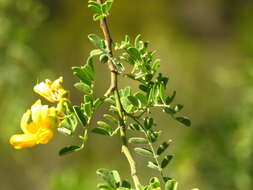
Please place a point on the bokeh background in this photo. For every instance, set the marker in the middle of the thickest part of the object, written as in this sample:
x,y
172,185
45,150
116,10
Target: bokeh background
x,y
206,48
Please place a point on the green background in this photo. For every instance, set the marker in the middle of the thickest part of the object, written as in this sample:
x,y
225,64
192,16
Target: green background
x,y
206,48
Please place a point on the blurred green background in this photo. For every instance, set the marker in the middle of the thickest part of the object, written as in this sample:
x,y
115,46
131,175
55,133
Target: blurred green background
x,y
206,48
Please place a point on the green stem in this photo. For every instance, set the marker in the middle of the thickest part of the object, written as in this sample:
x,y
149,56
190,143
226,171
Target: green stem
x,y
150,144
114,89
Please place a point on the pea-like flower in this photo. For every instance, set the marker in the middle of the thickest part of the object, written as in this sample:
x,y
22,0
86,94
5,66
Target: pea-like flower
x,y
52,91
39,130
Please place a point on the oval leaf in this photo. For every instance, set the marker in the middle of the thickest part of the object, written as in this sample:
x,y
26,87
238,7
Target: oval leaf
x,y
184,120
111,119
171,185
138,140
163,147
69,149
80,115
166,161
101,131
143,152
153,165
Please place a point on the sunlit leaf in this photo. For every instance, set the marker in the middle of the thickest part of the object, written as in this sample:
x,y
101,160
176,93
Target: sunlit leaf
x,y
137,140
110,118
101,131
68,149
153,166
163,147
80,115
144,152
83,87
166,161
97,41
171,185
184,120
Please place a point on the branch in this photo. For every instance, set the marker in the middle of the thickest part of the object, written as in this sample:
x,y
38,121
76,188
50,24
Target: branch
x,y
114,88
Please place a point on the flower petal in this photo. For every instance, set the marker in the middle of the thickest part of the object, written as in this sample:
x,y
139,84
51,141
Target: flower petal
x,y
24,120
52,91
20,141
44,136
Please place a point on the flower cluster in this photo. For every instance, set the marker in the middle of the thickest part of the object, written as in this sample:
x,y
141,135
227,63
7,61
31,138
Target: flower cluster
x,y
39,123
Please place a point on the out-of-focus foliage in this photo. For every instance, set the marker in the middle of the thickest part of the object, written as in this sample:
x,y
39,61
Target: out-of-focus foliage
x,y
205,46
18,60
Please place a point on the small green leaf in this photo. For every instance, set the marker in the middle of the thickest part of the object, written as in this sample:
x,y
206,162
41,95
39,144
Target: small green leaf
x,y
169,110
156,65
155,183
107,6
127,105
148,122
109,177
165,178
153,135
98,102
98,16
163,147
82,75
178,107
151,95
116,177
170,99
101,131
137,40
104,187
83,87
69,149
103,58
111,119
171,185
87,109
166,161
134,101
137,140
64,131
96,7
135,127
110,100
95,52
87,99
143,99
80,115
97,41
89,68
134,53
162,92
153,165
69,123
144,152
143,88
184,120
125,92
104,125
126,184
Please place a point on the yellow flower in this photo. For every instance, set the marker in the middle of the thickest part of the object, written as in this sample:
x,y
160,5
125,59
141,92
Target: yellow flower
x,y
52,91
41,128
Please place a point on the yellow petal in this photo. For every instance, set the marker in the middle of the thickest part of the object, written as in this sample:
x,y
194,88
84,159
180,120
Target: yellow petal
x,y
44,90
39,112
57,83
32,128
52,91
23,141
44,136
24,120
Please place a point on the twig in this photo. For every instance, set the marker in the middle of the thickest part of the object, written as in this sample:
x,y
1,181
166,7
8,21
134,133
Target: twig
x,y
114,89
